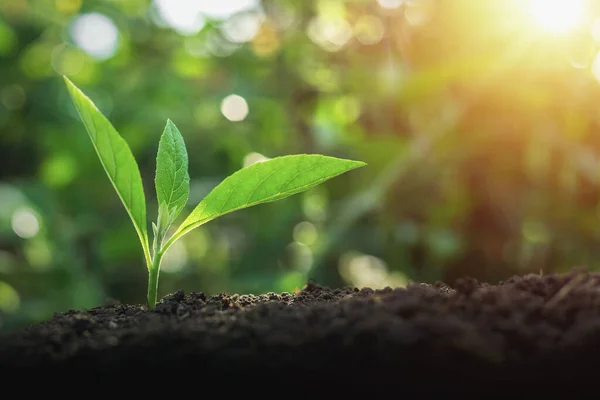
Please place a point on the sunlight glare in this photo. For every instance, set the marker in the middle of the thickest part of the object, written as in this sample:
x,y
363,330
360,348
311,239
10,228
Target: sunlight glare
x,y
596,67
558,16
596,30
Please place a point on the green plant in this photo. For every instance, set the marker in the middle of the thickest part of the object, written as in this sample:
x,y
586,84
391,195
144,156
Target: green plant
x,y
262,182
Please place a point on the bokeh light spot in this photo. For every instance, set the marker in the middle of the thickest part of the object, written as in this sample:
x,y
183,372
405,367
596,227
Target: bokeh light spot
x,y
364,270
175,259
188,65
8,39
534,232
253,158
266,41
196,46
182,15
369,30
291,281
35,60
11,198
329,33
9,298
305,233
418,12
314,204
346,109
68,6
67,60
283,15
242,28
218,46
223,9
96,34
25,223
234,108
13,97
320,74
198,243
59,170
298,257
38,253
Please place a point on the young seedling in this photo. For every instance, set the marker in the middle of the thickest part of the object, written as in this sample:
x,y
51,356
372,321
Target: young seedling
x,y
262,182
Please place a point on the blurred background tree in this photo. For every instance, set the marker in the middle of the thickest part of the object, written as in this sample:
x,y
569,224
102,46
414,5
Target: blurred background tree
x,y
478,120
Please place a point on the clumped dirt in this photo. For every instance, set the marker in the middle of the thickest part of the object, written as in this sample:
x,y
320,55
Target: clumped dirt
x,y
538,332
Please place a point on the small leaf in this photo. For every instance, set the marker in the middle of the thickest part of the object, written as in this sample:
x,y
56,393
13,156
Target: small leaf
x,y
172,178
160,228
117,160
264,182
173,214
164,219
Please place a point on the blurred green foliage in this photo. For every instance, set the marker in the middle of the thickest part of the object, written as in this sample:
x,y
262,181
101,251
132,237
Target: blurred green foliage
x,y
480,130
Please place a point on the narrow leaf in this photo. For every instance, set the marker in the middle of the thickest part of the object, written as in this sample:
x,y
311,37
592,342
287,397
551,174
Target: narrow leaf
x,y
117,160
172,178
264,182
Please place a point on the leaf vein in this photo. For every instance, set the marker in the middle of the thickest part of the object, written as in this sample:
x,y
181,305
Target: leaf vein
x,y
259,184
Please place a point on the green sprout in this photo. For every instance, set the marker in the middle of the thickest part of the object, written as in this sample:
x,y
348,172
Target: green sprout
x,y
262,182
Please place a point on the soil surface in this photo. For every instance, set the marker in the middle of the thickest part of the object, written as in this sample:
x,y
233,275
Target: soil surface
x,y
535,332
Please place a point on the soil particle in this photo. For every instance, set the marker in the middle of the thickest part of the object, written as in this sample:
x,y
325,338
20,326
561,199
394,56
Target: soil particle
x,y
533,331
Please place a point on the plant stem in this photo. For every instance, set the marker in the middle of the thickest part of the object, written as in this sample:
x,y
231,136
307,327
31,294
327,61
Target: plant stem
x,y
153,280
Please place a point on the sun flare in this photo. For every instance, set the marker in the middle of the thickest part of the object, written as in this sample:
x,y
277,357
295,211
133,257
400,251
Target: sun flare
x,y
558,16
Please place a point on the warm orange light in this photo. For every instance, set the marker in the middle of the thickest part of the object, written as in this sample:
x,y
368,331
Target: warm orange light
x,y
558,16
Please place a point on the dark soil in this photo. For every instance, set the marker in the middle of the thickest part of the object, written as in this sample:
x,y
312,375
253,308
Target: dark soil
x,y
534,332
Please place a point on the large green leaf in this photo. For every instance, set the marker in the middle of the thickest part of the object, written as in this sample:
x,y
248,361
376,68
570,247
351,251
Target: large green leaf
x,y
117,160
264,182
172,178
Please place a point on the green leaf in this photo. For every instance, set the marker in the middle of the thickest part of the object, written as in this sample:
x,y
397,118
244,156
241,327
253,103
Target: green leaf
x,y
117,160
264,182
172,178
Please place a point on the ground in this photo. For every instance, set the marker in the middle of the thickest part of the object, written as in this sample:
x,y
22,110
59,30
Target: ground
x,y
532,331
